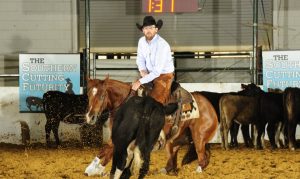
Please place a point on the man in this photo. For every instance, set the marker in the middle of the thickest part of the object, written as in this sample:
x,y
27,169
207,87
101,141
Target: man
x,y
154,60
69,86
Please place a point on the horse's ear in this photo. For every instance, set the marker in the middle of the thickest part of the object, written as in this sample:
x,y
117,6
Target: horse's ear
x,y
88,79
106,77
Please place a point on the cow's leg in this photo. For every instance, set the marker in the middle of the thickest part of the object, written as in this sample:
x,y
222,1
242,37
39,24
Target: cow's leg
x,y
234,130
292,125
259,131
246,135
277,139
113,167
145,167
227,125
48,132
121,157
285,134
272,131
54,127
222,133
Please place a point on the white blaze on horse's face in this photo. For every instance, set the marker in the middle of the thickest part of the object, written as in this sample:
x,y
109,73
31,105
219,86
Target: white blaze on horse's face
x,y
95,90
91,120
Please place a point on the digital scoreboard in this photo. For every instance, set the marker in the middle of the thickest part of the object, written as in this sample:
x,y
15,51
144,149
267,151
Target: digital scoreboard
x,y
169,6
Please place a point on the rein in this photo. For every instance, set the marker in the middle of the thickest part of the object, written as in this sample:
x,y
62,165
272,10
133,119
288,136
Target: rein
x,y
130,94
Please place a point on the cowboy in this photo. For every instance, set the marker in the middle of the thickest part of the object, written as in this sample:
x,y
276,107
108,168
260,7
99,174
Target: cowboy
x,y
154,60
69,86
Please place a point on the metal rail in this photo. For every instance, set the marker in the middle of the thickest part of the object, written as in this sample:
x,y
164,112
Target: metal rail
x,y
9,75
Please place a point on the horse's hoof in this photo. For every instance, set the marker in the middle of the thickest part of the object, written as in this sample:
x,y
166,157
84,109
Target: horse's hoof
x,y
199,169
95,168
163,171
292,148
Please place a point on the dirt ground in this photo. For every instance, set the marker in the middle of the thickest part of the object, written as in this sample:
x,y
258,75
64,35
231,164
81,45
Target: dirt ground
x,y
70,162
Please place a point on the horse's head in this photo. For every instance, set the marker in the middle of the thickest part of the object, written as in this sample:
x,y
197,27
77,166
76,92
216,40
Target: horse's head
x,y
98,99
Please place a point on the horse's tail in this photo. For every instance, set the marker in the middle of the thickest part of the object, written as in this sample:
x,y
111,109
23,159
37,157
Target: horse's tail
x,y
191,153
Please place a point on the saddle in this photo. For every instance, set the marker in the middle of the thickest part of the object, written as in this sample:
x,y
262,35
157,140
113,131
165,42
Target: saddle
x,y
182,96
178,95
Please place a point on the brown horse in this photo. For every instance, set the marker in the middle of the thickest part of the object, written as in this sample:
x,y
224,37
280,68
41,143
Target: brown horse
x,y
110,94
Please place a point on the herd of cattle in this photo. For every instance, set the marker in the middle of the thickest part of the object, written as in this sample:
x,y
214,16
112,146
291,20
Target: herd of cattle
x,y
250,106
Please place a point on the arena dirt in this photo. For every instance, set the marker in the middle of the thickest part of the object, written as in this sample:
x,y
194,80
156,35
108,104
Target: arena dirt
x,y
70,162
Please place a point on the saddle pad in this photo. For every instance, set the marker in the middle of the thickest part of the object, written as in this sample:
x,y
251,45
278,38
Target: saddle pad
x,y
190,114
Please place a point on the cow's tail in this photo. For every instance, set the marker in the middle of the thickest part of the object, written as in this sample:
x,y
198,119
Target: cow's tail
x,y
142,139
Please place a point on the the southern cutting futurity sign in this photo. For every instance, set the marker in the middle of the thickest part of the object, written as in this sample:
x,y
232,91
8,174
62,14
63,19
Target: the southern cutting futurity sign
x,y
39,73
281,69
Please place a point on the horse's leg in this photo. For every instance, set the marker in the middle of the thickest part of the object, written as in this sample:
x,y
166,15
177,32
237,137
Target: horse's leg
x,y
106,152
199,143
97,166
54,127
48,131
171,151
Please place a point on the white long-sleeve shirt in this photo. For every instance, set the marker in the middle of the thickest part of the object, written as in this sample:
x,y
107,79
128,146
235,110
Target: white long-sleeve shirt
x,y
154,57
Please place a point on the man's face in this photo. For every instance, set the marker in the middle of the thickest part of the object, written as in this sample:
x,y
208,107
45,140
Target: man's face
x,y
149,31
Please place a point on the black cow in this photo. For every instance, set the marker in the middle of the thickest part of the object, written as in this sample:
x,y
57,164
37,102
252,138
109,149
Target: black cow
x,y
135,130
271,113
34,101
292,113
59,106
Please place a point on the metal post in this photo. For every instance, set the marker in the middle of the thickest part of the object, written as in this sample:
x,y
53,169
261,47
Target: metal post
x,y
87,40
255,37
94,65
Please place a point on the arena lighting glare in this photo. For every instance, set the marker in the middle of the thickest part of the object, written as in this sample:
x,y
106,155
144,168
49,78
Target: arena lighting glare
x,y
171,6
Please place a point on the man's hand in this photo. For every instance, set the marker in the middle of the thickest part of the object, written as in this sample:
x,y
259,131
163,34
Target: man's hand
x,y
136,85
143,73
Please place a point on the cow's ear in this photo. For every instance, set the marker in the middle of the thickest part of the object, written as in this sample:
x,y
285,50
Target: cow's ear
x,y
243,86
